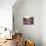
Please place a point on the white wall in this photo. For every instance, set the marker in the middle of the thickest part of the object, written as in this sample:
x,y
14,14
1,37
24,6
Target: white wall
x,y
43,22
29,8
6,13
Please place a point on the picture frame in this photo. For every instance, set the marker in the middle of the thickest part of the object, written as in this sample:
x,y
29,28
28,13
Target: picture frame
x,y
28,20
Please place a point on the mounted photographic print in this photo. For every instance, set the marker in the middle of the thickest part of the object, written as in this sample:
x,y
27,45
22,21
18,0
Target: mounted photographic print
x,y
28,20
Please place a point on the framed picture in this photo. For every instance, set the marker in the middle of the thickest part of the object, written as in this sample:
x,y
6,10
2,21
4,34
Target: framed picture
x,y
28,20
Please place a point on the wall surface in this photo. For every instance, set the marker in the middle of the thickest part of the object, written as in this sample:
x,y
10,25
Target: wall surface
x,y
6,13
29,8
43,22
